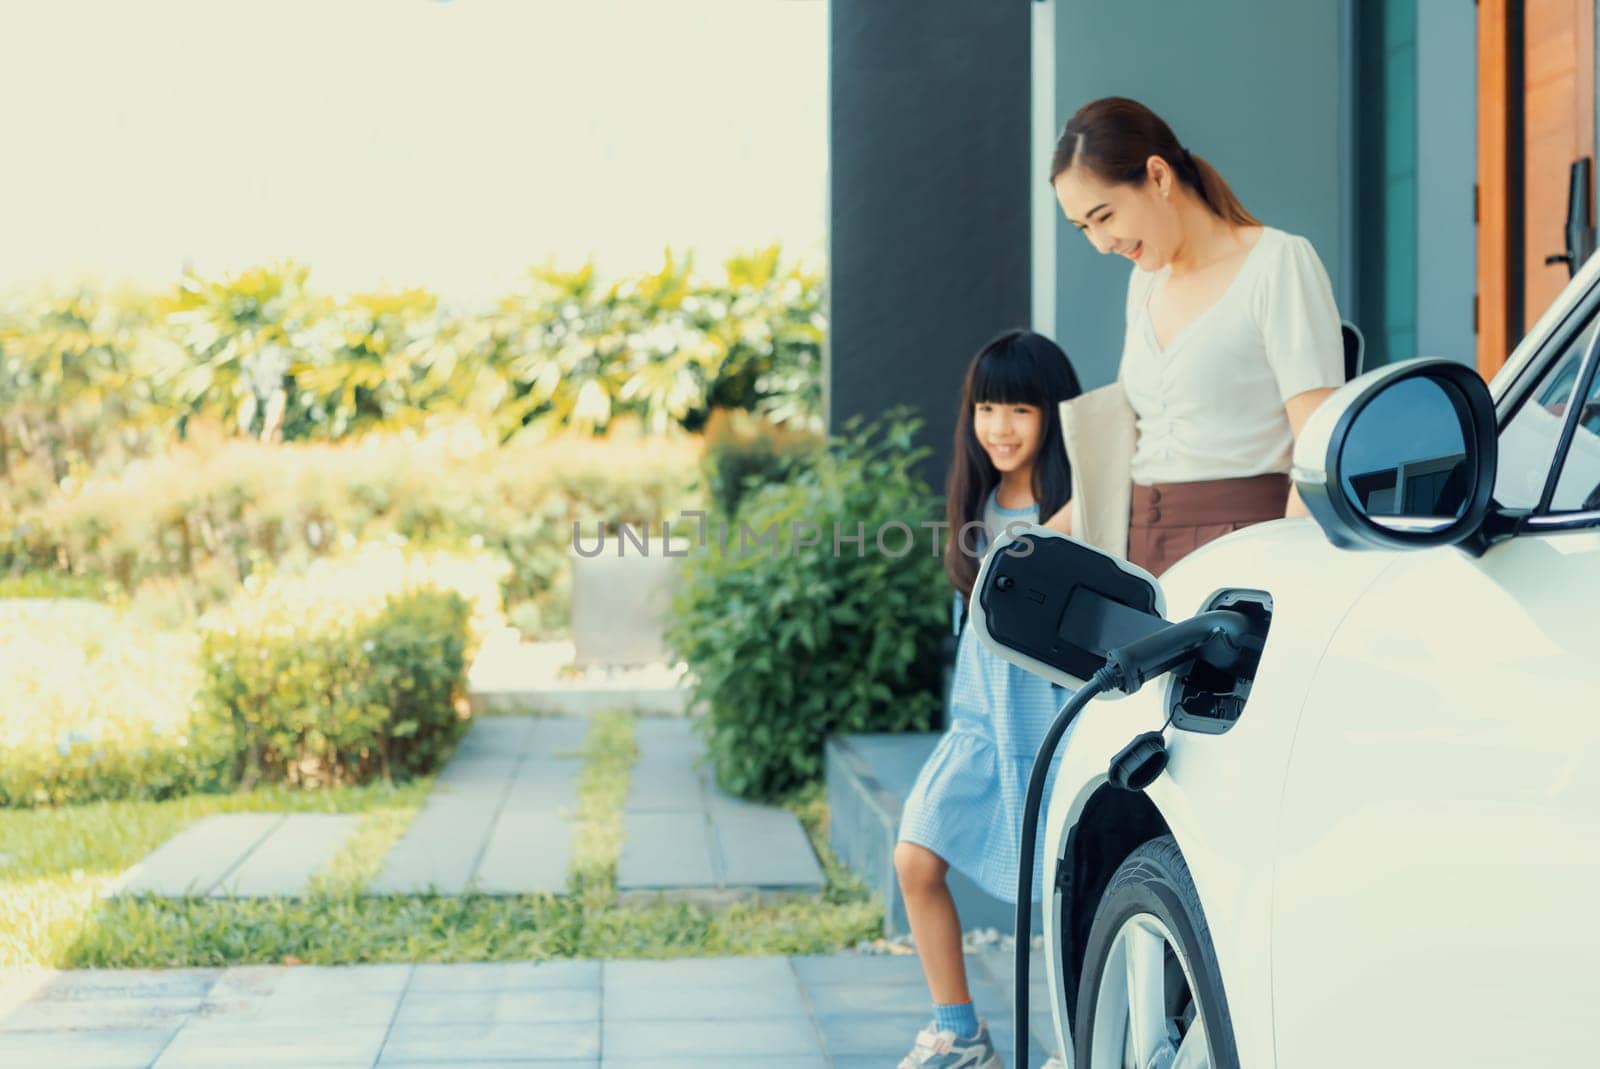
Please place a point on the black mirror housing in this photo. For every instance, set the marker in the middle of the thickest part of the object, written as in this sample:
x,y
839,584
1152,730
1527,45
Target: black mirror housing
x,y
1402,457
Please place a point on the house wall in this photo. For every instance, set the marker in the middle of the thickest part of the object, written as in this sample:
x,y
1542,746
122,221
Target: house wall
x,y
1258,87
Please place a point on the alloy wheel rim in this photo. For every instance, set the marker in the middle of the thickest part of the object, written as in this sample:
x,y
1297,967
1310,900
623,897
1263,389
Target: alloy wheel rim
x,y
1146,1015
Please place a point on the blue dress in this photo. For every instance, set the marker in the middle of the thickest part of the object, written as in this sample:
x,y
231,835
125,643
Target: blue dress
x,y
966,805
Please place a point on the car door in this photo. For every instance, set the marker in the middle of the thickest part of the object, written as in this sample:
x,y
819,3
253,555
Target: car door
x,y
1438,868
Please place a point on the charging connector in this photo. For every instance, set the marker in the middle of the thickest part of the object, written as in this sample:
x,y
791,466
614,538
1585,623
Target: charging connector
x,y
1220,638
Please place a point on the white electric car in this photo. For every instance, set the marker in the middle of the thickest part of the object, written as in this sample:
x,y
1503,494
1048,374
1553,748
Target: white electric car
x,y
1382,848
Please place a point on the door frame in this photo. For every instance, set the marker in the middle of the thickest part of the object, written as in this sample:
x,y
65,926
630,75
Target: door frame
x,y
1498,311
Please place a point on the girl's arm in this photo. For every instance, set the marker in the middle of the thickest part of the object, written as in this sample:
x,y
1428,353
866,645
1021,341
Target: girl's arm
x,y
1062,519
1299,408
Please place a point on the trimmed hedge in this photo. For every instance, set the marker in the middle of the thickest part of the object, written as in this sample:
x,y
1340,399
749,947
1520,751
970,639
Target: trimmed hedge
x,y
340,703
213,515
344,675
354,670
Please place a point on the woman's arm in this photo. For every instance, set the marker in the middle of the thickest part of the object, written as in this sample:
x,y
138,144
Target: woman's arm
x,y
1299,408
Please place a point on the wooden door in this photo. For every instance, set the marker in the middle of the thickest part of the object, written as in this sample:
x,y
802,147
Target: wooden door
x,y
1536,116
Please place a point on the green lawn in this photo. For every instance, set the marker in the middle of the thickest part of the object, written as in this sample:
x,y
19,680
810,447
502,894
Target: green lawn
x,y
54,864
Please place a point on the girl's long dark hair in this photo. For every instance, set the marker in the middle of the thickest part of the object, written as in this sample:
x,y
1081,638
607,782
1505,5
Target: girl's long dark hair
x,y
1017,368
1115,137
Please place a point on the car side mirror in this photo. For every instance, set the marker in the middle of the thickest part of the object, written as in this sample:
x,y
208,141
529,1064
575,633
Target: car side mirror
x,y
1401,457
1053,605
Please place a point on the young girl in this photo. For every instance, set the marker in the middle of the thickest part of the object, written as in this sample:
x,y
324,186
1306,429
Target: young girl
x,y
1009,466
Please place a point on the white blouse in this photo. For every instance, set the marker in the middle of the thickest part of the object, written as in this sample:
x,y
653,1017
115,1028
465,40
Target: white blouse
x,y
1210,405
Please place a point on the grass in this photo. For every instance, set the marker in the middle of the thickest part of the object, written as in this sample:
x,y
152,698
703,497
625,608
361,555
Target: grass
x,y
59,860
54,864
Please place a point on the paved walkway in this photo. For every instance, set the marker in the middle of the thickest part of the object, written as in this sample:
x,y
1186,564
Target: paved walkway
x,y
836,1012
683,836
501,820
501,817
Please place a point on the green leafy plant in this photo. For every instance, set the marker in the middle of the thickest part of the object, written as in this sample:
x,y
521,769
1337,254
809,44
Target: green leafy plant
x,y
787,649
91,379
318,681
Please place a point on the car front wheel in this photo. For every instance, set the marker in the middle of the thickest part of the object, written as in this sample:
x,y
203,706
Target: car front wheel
x,y
1152,994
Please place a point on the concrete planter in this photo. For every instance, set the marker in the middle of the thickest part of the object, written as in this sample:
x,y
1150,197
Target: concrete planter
x,y
620,603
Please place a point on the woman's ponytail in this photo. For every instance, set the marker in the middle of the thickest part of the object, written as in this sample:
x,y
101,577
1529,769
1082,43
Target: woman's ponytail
x,y
1218,195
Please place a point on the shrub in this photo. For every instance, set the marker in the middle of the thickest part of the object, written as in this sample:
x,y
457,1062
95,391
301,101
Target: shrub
x,y
787,651
339,676
94,708
743,452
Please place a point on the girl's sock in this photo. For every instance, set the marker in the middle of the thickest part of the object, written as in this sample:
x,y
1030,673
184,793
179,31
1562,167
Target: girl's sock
x,y
961,1018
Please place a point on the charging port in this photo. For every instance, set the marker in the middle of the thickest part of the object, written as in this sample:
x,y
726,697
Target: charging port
x,y
1211,701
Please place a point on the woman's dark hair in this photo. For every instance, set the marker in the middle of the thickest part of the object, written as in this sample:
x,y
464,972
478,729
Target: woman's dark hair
x,y
1115,137
1017,368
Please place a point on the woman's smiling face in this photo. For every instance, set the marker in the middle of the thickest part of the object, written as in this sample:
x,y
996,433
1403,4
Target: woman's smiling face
x,y
1136,221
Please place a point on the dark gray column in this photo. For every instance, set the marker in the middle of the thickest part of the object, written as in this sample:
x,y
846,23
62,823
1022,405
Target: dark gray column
x,y
928,201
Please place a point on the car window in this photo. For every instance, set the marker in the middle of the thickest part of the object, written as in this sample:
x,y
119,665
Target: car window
x,y
1528,442
1578,489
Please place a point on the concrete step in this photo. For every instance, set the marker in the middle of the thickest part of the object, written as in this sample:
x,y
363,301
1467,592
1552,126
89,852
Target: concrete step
x,y
868,779
544,679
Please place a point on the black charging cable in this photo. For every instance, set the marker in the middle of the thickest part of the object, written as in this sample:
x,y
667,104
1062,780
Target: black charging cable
x,y
1105,679
1221,638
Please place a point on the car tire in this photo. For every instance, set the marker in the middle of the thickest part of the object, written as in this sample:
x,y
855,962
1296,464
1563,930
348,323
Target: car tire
x,y
1174,1013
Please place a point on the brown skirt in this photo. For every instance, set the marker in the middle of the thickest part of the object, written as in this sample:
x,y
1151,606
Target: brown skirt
x,y
1171,520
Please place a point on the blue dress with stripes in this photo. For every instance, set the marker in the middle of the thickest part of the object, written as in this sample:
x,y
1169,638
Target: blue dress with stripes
x,y
966,805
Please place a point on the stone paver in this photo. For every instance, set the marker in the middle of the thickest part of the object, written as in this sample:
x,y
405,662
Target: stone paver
x,y
284,863
835,1012
193,861
240,855
683,837
500,818
666,851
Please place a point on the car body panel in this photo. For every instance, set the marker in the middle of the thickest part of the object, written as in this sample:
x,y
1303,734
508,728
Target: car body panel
x,y
1442,813
1223,820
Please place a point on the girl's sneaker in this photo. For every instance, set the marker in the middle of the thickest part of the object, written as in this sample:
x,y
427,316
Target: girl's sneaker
x,y
946,1050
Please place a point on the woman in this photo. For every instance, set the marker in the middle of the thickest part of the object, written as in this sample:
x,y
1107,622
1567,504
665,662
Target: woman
x,y
1232,341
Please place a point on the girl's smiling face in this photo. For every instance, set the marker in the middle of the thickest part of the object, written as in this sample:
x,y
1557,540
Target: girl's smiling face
x,y
1139,222
1009,433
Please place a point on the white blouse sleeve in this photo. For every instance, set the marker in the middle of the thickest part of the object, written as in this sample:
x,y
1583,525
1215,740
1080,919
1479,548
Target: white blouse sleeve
x,y
1300,322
